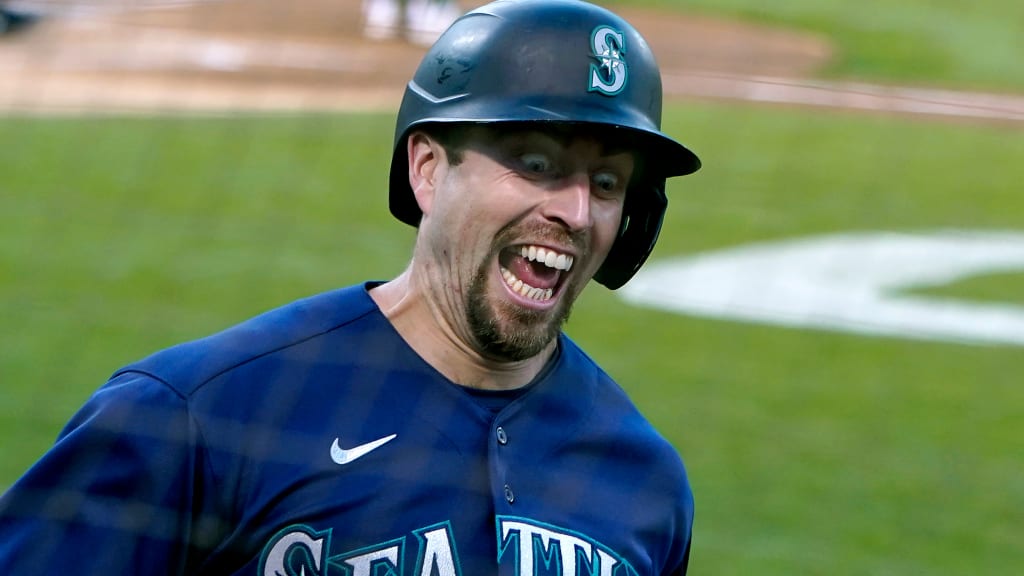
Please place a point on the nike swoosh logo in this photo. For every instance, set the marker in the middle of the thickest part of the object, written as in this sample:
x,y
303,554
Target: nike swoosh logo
x,y
343,456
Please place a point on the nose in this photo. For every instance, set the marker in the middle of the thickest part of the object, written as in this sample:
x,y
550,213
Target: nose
x,y
568,202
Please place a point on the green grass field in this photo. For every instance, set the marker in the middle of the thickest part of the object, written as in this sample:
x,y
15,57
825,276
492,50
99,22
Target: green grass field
x,y
809,452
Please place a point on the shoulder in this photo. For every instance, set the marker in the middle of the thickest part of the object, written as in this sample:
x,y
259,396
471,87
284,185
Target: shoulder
x,y
642,481
609,411
187,367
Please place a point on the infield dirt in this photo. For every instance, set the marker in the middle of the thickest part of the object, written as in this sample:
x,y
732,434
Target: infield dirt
x,y
218,56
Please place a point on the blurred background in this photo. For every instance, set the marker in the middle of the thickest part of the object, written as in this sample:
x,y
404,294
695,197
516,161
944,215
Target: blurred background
x,y
829,329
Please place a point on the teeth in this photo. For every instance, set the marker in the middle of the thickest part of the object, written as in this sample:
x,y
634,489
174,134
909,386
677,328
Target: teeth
x,y
525,290
545,256
549,258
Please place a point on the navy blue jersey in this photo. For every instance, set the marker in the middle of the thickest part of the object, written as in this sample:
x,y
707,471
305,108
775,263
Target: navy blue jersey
x,y
312,440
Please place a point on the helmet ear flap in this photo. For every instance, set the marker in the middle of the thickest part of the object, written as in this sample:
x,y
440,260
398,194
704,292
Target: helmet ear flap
x,y
638,232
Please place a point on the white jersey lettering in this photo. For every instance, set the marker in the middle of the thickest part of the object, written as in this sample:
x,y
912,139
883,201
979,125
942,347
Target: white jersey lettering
x,y
369,563
531,547
286,546
436,552
559,547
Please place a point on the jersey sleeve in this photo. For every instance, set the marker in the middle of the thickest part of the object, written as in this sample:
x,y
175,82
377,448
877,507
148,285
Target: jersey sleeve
x,y
116,494
681,569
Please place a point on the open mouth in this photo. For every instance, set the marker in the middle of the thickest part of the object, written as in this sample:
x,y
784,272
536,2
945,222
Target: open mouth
x,y
534,272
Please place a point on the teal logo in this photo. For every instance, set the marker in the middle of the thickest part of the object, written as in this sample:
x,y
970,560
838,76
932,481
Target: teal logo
x,y
608,76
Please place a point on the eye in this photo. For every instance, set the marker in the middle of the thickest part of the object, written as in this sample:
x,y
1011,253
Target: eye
x,y
607,183
536,163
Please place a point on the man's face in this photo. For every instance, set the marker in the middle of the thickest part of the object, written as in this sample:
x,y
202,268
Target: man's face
x,y
515,231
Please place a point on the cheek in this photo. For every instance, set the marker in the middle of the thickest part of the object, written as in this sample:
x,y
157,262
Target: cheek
x,y
607,217
454,204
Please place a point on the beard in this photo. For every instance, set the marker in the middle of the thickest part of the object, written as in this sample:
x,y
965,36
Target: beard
x,y
507,332
504,331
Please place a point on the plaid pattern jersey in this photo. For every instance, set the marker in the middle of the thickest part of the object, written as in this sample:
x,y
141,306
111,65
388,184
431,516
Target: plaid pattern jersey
x,y
312,440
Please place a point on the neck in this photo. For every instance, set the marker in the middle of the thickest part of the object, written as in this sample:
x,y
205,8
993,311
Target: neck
x,y
430,331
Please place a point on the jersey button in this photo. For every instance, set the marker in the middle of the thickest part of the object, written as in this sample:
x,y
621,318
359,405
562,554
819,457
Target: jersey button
x,y
502,437
509,496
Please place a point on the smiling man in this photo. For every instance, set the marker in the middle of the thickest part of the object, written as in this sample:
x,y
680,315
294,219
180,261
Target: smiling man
x,y
517,218
438,424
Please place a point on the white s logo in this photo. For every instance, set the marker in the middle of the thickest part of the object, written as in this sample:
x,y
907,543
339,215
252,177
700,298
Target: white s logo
x,y
610,74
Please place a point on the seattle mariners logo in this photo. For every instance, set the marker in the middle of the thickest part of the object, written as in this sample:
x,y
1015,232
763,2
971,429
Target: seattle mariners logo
x,y
526,547
610,74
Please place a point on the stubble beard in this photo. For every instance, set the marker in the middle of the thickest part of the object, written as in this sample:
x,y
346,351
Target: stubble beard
x,y
508,332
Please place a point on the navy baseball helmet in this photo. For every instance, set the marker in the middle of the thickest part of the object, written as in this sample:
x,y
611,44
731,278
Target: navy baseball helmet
x,y
551,61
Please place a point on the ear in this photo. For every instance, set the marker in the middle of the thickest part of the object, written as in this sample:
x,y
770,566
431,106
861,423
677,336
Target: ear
x,y
425,155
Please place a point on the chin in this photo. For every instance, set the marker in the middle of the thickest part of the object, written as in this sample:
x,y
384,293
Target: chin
x,y
510,332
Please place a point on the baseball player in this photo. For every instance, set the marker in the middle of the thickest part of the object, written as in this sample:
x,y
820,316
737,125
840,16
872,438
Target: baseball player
x,y
418,21
438,424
